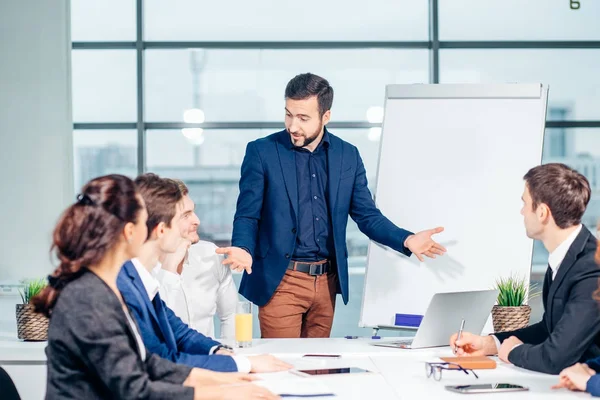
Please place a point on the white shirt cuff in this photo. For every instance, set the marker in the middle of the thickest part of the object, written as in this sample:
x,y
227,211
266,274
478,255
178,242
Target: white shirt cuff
x,y
243,363
515,346
498,344
213,349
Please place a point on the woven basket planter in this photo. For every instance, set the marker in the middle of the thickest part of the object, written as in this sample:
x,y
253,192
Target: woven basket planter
x,y
510,318
31,326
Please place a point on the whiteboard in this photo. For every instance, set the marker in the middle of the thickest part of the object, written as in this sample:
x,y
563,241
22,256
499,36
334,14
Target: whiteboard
x,y
453,156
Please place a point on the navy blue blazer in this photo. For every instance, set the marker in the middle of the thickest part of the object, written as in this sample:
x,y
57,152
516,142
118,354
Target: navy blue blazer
x,y
593,384
266,219
163,332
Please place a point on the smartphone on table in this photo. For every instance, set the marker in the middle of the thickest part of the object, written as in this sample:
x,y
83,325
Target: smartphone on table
x,y
487,388
330,371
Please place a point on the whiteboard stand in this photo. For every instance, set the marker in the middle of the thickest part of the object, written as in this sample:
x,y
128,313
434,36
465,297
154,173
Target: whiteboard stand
x,y
453,156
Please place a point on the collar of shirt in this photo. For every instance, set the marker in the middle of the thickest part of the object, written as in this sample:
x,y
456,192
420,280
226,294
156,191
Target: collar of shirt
x,y
150,283
156,269
558,255
325,142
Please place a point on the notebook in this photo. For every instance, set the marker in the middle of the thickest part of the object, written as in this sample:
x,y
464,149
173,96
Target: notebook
x,y
472,362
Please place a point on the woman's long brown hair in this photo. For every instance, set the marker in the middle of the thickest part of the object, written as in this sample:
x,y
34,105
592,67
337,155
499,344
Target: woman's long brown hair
x,y
87,231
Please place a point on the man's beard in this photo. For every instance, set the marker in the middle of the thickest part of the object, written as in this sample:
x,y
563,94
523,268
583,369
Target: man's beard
x,y
309,140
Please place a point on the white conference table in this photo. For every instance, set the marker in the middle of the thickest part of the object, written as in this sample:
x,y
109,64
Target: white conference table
x,y
397,373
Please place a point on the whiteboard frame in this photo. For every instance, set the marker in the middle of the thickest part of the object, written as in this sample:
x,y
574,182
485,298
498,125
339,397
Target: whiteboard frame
x,y
453,91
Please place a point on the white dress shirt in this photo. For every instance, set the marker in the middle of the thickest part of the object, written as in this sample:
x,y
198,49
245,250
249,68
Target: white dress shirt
x,y
152,286
558,255
138,338
555,259
150,283
204,288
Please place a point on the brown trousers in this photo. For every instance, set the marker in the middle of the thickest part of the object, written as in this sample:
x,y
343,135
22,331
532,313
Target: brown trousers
x,y
302,307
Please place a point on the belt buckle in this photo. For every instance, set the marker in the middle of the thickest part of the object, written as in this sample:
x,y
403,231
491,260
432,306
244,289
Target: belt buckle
x,y
313,269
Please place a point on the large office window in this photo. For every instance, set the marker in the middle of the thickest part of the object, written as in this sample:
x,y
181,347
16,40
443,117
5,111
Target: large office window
x,y
101,21
103,85
276,21
532,20
180,87
248,85
573,94
101,152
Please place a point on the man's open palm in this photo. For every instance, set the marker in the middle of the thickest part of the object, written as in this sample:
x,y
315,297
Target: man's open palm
x,y
238,259
421,244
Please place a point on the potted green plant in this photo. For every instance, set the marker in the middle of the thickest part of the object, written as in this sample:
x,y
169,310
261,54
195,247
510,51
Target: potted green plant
x,y
512,311
31,326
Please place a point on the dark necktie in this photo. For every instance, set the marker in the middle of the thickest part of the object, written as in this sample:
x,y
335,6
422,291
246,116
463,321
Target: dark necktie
x,y
549,274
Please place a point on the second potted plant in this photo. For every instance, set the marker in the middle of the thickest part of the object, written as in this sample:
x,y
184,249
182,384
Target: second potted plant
x,y
512,311
31,326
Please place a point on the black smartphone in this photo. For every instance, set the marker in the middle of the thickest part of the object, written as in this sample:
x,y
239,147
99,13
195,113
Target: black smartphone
x,y
487,388
333,371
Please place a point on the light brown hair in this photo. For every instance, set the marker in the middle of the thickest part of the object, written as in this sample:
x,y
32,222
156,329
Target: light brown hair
x,y
182,186
161,197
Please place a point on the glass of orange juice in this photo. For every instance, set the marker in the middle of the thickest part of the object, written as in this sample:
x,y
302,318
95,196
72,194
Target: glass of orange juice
x,y
243,324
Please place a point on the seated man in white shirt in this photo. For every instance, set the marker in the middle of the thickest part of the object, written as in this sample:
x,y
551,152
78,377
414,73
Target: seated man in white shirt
x,y
193,281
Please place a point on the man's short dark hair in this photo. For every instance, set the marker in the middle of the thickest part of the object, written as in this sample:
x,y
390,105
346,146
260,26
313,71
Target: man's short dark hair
x,y
161,197
565,191
303,86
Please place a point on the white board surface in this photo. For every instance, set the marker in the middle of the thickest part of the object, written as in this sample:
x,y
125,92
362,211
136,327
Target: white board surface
x,y
453,156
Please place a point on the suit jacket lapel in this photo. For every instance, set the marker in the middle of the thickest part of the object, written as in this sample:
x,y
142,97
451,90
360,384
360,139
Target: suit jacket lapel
x,y
164,324
139,285
287,159
545,292
334,163
570,258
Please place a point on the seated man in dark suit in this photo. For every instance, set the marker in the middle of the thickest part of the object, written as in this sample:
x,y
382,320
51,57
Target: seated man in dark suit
x,y
555,199
583,377
162,331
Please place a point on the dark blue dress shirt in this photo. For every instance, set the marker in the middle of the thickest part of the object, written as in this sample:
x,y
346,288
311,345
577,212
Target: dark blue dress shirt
x,y
313,241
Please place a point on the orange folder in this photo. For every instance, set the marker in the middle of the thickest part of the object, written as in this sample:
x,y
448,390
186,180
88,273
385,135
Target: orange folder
x,y
472,362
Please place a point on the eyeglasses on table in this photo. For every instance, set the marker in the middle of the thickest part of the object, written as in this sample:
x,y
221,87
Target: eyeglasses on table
x,y
435,369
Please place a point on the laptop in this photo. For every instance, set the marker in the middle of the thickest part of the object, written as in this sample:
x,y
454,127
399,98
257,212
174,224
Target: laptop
x,y
443,318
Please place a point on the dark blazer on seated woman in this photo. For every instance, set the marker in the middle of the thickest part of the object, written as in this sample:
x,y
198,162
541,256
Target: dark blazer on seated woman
x,y
93,352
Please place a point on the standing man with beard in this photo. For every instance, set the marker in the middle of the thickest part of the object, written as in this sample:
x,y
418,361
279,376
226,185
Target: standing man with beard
x,y
297,188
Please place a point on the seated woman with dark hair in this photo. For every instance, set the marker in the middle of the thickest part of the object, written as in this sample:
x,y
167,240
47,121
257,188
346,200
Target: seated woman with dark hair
x,y
583,377
94,347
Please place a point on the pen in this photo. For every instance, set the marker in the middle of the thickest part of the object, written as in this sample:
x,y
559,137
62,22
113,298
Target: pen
x,y
357,337
462,326
323,355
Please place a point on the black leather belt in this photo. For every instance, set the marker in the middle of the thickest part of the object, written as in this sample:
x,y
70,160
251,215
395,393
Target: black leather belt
x,y
313,269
